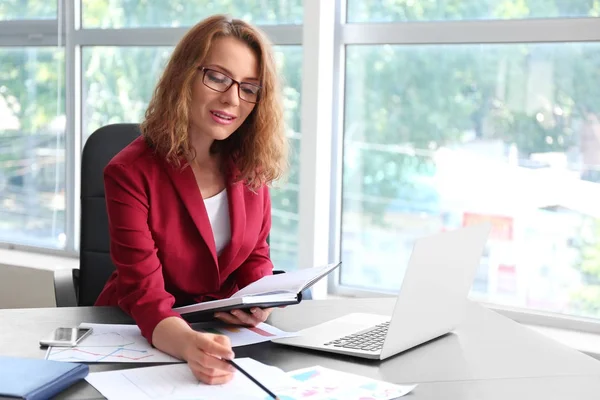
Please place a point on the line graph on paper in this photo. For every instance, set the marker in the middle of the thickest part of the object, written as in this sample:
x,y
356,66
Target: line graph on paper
x,y
176,381
111,343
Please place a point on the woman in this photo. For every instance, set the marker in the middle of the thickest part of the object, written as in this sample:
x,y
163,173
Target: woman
x,y
188,204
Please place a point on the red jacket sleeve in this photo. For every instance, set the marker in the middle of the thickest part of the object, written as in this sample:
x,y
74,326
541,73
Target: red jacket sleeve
x,y
258,264
140,283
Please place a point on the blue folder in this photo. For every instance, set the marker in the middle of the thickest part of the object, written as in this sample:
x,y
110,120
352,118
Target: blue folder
x,y
33,379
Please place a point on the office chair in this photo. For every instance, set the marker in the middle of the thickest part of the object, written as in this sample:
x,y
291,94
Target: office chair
x,y
81,287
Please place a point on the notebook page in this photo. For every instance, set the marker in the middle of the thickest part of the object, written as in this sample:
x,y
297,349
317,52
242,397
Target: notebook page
x,y
291,282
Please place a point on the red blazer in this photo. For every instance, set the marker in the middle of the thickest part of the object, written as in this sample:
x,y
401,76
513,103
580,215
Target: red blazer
x,y
161,240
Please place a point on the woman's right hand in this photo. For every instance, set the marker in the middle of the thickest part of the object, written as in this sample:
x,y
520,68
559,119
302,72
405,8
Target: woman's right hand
x,y
206,353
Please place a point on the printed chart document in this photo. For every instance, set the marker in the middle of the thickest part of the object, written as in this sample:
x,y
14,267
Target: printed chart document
x,y
319,383
269,291
242,335
176,381
111,343
125,343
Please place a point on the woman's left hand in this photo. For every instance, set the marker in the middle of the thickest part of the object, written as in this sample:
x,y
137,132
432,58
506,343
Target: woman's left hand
x,y
241,317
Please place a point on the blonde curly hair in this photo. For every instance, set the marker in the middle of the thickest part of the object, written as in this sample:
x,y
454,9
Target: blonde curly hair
x,y
258,148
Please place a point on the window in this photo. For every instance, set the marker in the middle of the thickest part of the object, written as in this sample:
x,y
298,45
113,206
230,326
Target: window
x,y
44,105
441,10
440,136
134,14
118,83
27,9
450,112
32,147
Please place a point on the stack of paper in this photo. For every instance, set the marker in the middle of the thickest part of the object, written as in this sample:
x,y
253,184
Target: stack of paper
x,y
177,381
124,343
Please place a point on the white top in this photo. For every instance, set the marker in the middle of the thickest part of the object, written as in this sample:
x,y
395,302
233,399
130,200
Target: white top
x,y
217,208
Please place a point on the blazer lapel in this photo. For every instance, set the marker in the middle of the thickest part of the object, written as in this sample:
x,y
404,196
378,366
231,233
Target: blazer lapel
x,y
237,215
185,184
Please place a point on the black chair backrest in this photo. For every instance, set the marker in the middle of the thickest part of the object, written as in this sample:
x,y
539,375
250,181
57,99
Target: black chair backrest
x,y
95,263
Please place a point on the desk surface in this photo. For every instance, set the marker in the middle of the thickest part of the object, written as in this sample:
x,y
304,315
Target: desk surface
x,y
487,357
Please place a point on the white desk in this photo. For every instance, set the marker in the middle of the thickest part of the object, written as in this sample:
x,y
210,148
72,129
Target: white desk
x,y
489,357
486,346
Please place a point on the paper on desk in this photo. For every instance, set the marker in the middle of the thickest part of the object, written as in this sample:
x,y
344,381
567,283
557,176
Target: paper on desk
x,y
319,383
116,343
242,336
176,381
111,343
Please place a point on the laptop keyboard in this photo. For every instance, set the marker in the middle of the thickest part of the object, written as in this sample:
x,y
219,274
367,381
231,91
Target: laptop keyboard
x,y
369,340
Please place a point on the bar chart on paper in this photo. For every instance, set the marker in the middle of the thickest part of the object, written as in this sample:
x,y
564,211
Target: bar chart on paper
x,y
318,383
241,335
111,343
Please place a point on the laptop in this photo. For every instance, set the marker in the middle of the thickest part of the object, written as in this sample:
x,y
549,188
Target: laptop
x,y
432,301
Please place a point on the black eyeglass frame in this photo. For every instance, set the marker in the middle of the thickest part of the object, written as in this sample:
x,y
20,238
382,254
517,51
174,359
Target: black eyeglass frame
x,y
205,69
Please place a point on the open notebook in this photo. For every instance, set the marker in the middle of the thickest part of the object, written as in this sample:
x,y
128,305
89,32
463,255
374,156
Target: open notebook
x,y
269,291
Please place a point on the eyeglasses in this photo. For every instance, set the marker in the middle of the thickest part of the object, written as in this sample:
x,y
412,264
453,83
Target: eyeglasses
x,y
220,82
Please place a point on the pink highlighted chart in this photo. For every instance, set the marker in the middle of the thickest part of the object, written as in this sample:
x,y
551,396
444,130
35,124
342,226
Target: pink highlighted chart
x,y
245,335
261,332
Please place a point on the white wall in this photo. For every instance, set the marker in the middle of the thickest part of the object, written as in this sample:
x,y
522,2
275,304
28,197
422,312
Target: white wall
x,y
27,279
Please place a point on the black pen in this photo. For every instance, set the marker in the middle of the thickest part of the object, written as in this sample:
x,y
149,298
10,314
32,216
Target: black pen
x,y
253,379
